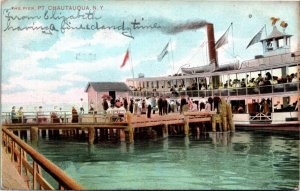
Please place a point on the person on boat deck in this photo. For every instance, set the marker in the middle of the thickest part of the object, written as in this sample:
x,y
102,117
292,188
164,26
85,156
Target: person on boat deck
x,y
207,106
297,108
261,82
274,80
243,84
258,79
295,78
277,106
13,115
74,115
268,76
20,115
251,83
264,106
240,109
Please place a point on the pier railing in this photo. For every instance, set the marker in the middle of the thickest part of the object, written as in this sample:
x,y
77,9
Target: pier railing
x,y
19,151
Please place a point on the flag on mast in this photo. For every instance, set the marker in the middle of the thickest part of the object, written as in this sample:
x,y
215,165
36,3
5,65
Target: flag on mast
x,y
223,39
126,58
163,53
257,37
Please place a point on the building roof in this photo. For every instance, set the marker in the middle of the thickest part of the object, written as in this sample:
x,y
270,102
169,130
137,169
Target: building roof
x,y
108,86
276,34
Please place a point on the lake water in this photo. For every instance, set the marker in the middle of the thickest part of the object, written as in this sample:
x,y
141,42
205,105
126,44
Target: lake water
x,y
240,160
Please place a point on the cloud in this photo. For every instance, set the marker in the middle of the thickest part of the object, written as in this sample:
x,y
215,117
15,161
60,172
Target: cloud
x,y
70,96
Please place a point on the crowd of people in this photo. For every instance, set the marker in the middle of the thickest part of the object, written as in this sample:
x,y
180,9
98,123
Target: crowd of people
x,y
147,106
260,80
161,104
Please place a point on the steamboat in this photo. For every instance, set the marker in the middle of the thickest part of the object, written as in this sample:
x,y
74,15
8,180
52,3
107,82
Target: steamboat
x,y
263,90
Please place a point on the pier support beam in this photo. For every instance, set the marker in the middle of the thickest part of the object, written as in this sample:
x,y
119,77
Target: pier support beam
x,y
34,134
216,118
91,131
165,130
229,115
186,126
130,129
122,135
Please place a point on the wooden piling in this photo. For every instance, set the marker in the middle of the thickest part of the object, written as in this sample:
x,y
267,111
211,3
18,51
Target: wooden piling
x,y
229,115
186,126
91,135
34,134
165,130
129,129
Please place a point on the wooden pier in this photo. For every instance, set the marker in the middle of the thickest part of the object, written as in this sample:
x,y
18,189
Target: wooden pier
x,y
124,128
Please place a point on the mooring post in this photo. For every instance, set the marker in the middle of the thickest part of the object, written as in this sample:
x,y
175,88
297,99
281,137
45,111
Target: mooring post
x,y
186,125
34,134
229,115
213,122
91,135
122,135
224,123
130,128
165,130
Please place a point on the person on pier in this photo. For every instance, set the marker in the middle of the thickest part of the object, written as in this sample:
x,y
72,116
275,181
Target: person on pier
x,y
131,105
182,103
165,106
13,115
160,105
74,115
54,117
41,116
105,105
20,115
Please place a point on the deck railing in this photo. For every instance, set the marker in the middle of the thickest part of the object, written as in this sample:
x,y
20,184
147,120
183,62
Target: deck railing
x,y
241,91
19,151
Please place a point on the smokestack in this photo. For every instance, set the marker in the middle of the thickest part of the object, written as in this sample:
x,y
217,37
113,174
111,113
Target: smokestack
x,y
212,53
211,44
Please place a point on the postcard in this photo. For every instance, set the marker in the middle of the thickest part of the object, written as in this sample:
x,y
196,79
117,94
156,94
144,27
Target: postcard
x,y
150,59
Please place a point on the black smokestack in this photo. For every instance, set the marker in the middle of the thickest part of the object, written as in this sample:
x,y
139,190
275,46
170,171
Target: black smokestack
x,y
189,25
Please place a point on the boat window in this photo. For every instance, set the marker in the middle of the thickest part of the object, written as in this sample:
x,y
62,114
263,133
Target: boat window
x,y
277,72
280,43
293,69
169,84
254,75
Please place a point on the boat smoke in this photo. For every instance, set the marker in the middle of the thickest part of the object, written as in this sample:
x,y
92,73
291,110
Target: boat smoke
x,y
190,25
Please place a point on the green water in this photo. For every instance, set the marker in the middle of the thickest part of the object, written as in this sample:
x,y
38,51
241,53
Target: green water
x,y
240,160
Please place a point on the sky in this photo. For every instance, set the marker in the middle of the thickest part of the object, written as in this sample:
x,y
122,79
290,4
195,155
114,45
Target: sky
x,y
48,59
